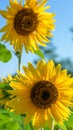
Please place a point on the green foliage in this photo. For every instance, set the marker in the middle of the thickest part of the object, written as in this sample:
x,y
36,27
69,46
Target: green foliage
x,y
10,121
63,127
27,127
46,128
39,53
4,85
5,54
69,123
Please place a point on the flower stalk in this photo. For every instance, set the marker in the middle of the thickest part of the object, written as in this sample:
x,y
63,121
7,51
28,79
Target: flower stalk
x,y
31,126
18,55
19,61
52,125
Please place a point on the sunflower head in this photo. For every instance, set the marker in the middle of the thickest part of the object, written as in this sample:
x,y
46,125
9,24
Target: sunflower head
x,y
27,25
42,93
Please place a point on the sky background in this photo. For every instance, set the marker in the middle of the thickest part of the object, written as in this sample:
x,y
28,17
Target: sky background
x,y
62,36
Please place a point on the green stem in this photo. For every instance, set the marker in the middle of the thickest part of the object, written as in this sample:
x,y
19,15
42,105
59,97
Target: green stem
x,y
19,61
31,126
18,55
52,125
22,124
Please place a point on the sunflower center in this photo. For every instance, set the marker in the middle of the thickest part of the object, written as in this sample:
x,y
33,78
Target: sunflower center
x,y
25,21
44,94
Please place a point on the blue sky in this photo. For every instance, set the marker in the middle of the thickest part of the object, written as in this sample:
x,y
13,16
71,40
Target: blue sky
x,y
64,21
62,35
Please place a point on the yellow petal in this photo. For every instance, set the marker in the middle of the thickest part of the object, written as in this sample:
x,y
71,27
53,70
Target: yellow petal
x,y
3,13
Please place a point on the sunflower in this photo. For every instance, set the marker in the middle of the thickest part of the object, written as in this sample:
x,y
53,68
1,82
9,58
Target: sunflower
x,y
7,79
42,93
4,84
28,24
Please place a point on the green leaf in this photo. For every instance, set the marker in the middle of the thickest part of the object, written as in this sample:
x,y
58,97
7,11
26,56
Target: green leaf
x,y
6,122
5,54
60,127
69,123
10,121
63,127
3,85
39,53
46,128
27,127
